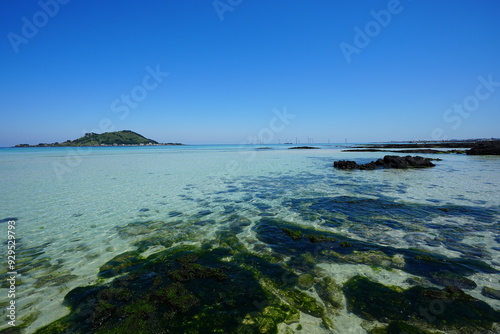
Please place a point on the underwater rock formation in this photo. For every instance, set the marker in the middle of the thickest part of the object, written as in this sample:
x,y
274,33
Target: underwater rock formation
x,y
223,286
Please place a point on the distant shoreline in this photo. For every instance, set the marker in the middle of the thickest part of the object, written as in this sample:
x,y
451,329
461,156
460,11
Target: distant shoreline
x,y
101,145
361,146
106,139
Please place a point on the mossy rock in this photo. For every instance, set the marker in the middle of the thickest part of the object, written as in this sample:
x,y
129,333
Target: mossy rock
x,y
446,278
306,281
271,231
303,302
428,264
449,293
120,264
330,292
55,279
319,238
374,301
294,234
27,320
187,290
159,240
490,293
288,238
228,239
188,271
450,308
363,210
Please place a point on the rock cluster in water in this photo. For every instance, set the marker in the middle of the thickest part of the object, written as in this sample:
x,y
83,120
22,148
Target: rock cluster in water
x,y
485,148
389,161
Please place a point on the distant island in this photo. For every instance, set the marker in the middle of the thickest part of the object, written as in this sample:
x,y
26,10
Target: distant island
x,y
117,138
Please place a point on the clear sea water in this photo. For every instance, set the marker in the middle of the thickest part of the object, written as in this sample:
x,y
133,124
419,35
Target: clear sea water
x,y
77,209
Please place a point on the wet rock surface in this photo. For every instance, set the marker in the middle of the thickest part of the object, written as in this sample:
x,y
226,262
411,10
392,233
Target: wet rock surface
x,y
389,161
375,301
485,148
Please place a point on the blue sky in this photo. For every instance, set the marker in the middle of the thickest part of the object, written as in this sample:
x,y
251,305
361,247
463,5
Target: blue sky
x,y
361,70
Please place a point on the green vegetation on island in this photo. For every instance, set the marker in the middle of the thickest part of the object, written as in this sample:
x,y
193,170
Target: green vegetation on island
x,y
117,138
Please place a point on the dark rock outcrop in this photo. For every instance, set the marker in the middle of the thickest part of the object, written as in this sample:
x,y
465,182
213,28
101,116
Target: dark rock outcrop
x,y
345,164
304,148
394,161
420,151
485,148
460,144
491,293
389,161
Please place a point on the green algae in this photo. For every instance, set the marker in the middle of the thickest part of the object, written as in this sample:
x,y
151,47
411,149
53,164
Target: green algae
x,y
294,234
221,287
318,238
373,301
177,296
330,292
120,264
364,210
371,258
228,239
187,290
425,257
306,281
449,293
302,302
54,279
445,278
364,217
155,240
22,323
450,308
490,293
188,270
412,261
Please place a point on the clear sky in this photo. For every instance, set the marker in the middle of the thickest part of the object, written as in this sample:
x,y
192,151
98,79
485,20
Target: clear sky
x,y
221,71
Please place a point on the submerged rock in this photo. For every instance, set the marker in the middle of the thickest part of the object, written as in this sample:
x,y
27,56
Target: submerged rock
x,y
490,293
448,309
446,278
330,292
221,286
188,290
306,281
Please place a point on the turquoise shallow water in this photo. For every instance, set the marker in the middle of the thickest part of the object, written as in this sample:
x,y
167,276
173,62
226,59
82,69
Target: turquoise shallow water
x,y
76,209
